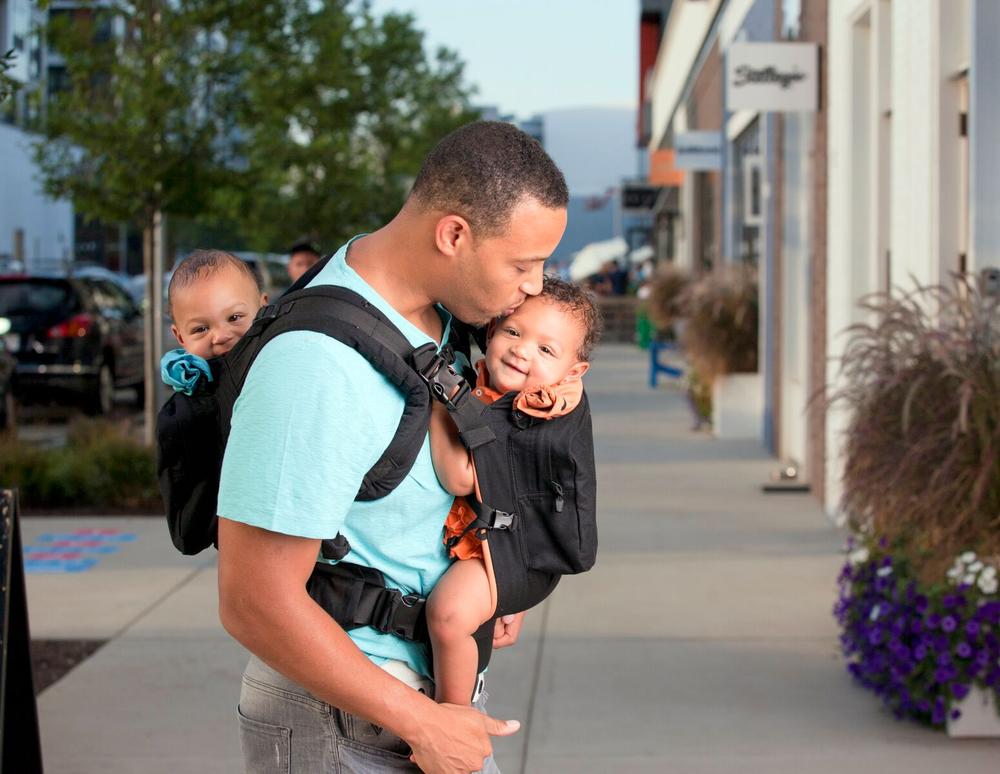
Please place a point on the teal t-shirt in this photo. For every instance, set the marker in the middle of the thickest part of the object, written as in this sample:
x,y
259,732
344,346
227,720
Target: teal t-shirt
x,y
312,418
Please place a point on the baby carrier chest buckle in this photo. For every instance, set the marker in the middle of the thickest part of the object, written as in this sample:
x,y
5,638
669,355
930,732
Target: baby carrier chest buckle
x,y
434,367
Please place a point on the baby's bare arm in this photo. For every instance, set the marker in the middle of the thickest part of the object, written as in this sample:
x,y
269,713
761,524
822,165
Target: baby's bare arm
x,y
451,459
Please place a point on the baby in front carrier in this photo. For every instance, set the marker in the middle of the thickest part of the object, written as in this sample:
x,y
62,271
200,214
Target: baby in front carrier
x,y
539,351
213,298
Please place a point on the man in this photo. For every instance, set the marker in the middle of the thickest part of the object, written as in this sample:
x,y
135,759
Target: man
x,y
301,256
486,210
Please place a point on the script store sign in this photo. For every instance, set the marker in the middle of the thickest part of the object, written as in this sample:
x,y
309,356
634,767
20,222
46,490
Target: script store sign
x,y
772,77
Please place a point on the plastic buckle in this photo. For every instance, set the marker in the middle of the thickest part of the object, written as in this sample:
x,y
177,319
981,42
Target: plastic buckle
x,y
446,385
502,520
398,614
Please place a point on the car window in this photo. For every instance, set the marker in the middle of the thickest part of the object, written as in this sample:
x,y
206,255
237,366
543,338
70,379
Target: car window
x,y
119,297
23,297
278,276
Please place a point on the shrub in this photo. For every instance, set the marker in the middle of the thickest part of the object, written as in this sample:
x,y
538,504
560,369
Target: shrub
x,y
666,293
721,316
100,467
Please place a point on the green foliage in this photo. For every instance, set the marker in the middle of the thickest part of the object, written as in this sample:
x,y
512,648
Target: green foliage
x,y
923,444
340,107
7,84
100,467
270,119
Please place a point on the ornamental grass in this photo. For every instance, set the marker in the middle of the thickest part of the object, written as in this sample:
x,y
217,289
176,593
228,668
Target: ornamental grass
x,y
720,322
923,444
666,295
919,607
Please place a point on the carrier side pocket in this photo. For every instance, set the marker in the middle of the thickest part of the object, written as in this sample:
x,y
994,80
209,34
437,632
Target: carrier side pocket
x,y
550,531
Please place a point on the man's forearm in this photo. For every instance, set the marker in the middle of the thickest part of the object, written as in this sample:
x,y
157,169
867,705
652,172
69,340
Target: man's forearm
x,y
301,641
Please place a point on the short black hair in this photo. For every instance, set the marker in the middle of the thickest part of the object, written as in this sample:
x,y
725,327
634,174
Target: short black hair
x,y
202,263
482,170
303,246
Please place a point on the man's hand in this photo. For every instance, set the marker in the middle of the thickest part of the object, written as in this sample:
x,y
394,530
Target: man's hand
x,y
457,740
507,629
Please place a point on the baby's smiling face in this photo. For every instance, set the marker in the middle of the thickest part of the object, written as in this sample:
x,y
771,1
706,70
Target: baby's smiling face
x,y
213,312
537,344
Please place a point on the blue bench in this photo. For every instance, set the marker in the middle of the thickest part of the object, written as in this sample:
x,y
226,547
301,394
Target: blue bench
x,y
656,367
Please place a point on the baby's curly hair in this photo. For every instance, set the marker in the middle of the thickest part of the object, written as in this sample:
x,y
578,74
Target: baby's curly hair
x,y
581,304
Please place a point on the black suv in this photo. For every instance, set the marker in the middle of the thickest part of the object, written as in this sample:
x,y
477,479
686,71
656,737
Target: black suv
x,y
79,337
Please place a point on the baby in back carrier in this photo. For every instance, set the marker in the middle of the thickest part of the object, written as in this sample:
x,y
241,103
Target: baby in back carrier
x,y
539,351
213,298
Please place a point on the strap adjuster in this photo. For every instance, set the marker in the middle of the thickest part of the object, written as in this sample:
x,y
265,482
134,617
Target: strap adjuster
x,y
397,613
447,386
502,520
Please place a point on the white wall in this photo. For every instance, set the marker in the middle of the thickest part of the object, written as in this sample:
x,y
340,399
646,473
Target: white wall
x,y
47,224
896,103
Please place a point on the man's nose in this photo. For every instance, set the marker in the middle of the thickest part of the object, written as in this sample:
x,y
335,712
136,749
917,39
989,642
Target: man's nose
x,y
532,286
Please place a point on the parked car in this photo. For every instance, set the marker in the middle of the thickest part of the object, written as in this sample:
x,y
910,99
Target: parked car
x,y
271,271
74,337
7,367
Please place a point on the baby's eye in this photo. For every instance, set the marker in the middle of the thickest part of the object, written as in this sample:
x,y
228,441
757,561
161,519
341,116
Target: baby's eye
x,y
510,331
546,350
236,317
199,329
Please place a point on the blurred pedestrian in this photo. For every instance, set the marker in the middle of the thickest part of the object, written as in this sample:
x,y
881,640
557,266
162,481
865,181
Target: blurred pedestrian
x,y
302,255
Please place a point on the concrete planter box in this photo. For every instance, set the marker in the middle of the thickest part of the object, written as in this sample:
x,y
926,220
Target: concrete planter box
x,y
979,716
738,407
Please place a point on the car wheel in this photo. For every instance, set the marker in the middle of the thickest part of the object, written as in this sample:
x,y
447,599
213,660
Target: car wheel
x,y
101,399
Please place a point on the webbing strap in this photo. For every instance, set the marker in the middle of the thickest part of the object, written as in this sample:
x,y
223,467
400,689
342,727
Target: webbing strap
x,y
450,388
356,596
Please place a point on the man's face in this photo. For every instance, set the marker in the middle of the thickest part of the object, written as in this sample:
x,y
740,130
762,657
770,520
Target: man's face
x,y
299,263
498,273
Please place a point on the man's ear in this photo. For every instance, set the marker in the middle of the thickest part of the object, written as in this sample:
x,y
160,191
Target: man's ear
x,y
452,234
177,334
577,371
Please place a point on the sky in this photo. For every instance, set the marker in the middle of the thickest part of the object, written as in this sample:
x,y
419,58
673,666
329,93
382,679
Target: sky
x,y
531,56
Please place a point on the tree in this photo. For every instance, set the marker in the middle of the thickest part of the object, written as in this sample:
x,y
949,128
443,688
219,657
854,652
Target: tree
x,y
279,117
340,107
7,84
142,128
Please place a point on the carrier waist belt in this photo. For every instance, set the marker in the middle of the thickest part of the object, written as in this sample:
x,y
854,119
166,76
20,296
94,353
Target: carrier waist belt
x,y
356,596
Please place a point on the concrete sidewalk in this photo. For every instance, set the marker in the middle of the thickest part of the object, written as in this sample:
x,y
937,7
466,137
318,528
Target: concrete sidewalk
x,y
702,642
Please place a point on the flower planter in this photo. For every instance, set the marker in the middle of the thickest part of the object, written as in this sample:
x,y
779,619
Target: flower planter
x,y
979,716
738,407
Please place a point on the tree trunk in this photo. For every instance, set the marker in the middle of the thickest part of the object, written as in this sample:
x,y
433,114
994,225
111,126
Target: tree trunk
x,y
152,319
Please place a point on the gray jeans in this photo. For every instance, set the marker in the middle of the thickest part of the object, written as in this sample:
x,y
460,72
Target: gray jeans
x,y
286,730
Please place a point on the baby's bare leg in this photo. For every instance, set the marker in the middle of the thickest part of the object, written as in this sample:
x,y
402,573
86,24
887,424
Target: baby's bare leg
x,y
458,606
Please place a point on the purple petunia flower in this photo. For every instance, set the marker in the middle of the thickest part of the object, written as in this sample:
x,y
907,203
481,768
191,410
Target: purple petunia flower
x,y
972,628
964,649
960,690
949,624
921,603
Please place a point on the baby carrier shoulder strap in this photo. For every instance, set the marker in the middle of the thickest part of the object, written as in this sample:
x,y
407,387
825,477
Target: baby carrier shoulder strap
x,y
346,316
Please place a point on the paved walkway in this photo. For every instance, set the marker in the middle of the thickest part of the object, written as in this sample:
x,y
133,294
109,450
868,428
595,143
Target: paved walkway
x,y
702,641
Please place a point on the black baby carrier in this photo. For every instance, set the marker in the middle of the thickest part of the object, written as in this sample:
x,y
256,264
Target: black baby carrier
x,y
537,478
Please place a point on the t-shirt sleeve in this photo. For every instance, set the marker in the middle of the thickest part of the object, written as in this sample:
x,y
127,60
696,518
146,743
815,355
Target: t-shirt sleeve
x,y
303,436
